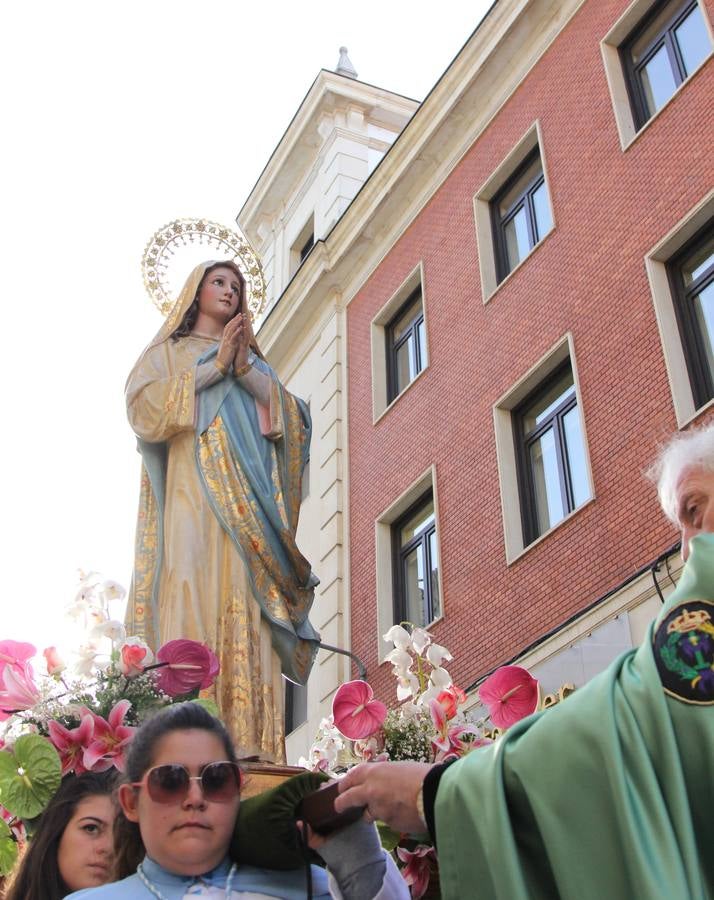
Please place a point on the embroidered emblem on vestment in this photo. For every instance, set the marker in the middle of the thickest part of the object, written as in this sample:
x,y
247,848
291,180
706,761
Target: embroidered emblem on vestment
x,y
684,652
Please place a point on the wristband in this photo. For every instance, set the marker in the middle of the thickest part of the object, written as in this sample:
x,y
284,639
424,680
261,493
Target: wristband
x,y
223,369
243,370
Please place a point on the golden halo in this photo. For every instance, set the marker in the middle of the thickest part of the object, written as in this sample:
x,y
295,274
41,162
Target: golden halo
x,y
184,238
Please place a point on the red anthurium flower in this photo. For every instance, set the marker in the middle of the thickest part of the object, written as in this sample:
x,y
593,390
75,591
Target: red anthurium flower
x,y
187,665
110,740
71,743
355,711
510,693
451,699
16,653
417,870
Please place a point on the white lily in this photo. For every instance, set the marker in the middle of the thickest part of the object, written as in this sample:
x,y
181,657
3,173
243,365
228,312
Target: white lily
x,y
111,628
407,686
440,678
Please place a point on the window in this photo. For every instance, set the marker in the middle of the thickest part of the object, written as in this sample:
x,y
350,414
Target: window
x,y
665,48
521,215
551,454
302,244
398,338
406,345
691,275
307,246
295,705
416,564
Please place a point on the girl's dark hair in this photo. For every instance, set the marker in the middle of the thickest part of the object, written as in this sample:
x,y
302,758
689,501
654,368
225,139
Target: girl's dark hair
x,y
189,318
128,846
37,876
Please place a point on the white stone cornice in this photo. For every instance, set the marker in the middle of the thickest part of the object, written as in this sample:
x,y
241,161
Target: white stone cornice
x,y
489,68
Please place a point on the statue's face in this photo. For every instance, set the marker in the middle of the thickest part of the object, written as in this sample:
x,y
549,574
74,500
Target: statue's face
x,y
219,294
695,504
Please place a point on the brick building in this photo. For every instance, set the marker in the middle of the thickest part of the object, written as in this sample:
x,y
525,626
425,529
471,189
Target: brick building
x,y
497,302
524,334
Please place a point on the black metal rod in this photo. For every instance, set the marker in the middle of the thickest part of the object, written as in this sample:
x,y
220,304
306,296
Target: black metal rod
x,y
361,668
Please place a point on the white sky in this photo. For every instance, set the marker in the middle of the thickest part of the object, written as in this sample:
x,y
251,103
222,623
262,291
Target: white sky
x,y
116,119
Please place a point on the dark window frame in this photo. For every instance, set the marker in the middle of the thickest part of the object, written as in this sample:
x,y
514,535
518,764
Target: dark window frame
x,y
700,376
665,36
525,198
523,442
400,553
293,709
307,247
393,389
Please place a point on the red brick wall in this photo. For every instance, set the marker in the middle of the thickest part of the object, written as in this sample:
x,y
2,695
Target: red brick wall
x,y
588,277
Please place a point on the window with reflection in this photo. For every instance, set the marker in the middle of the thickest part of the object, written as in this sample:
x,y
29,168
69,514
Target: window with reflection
x,y
521,215
691,275
664,50
295,705
416,564
406,345
551,454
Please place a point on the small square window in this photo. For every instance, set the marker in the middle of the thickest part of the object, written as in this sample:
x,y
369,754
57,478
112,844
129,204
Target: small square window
x,y
691,275
665,48
406,345
551,454
521,215
416,564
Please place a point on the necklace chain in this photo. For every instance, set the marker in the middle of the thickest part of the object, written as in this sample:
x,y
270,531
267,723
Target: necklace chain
x,y
151,887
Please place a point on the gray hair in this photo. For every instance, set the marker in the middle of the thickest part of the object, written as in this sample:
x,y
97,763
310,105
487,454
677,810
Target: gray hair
x,y
691,449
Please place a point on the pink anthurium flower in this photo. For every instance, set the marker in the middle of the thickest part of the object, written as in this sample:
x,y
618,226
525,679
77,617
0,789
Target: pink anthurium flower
x,y
510,693
71,743
355,711
417,868
187,665
110,740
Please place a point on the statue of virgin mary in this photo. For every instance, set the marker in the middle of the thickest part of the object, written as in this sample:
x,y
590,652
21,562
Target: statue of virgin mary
x,y
223,448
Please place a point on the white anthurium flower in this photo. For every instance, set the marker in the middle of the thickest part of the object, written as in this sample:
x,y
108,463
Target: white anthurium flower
x,y
111,628
440,678
407,686
399,636
436,654
400,659
421,639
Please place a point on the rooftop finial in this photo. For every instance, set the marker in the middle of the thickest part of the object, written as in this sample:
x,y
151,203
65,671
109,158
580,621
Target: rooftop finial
x,y
344,66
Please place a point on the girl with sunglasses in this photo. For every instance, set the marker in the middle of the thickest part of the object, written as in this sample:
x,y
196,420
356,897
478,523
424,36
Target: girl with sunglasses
x,y
180,804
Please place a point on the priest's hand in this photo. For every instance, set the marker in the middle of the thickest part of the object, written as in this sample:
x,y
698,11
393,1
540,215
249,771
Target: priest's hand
x,y
388,790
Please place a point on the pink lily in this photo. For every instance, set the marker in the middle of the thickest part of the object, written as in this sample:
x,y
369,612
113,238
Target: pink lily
x,y
17,689
110,740
71,743
450,742
355,711
417,869
510,693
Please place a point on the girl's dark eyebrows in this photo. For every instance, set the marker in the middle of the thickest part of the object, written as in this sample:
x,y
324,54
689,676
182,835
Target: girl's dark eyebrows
x,y
92,819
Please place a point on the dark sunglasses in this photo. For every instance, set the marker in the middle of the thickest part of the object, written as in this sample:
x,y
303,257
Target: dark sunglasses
x,y
220,782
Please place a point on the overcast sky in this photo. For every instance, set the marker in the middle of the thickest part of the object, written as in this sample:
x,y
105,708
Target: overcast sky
x,y
118,118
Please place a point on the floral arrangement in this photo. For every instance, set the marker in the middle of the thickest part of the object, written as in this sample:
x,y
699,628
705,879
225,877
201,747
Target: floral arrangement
x,y
81,717
429,724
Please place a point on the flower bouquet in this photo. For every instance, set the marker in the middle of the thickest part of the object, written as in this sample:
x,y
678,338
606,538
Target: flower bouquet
x,y
81,718
429,724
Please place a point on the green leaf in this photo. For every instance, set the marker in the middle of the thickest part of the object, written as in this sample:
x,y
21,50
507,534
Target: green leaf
x,y
30,773
8,849
388,836
208,705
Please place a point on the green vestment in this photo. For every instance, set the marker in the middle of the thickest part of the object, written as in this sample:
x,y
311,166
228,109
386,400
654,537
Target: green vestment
x,y
610,794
